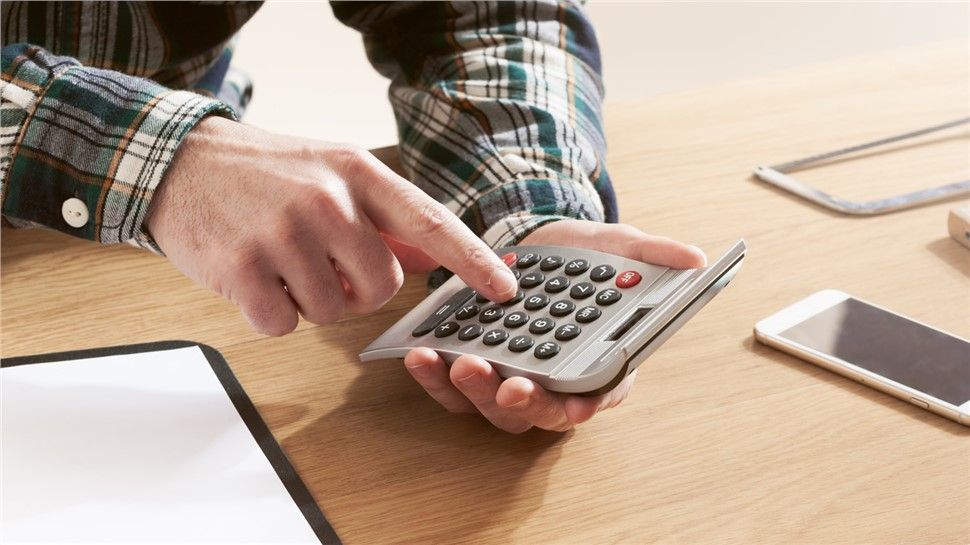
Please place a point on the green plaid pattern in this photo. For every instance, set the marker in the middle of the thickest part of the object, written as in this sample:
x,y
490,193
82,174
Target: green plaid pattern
x,y
497,104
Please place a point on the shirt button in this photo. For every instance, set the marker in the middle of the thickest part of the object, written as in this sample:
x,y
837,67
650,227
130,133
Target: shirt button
x,y
75,212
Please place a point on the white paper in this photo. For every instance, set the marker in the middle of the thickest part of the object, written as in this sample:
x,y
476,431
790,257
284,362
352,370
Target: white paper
x,y
134,448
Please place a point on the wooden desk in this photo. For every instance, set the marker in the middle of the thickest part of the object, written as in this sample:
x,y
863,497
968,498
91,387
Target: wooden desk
x,y
723,440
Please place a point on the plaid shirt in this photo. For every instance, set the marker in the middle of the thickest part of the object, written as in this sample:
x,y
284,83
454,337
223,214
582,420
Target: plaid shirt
x,y
497,106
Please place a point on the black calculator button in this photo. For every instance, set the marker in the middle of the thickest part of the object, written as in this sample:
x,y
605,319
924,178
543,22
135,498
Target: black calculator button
x,y
467,311
607,297
532,280
516,319
557,284
567,332
494,337
518,297
602,272
577,266
546,350
551,263
528,260
445,310
586,315
470,331
520,343
516,274
446,329
541,325
582,290
481,298
537,301
491,314
562,308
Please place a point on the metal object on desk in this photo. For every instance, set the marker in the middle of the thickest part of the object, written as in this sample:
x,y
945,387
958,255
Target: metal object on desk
x,y
778,175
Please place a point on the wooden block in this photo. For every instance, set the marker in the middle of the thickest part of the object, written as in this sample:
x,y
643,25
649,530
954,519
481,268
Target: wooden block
x,y
959,224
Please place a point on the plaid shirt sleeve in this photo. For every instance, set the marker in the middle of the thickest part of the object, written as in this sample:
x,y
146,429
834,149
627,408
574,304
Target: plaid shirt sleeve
x,y
497,106
72,131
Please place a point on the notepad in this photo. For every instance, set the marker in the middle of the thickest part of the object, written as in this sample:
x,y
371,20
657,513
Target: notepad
x,y
151,443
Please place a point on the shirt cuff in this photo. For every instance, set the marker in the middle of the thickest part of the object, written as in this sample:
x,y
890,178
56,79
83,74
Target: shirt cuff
x,y
106,139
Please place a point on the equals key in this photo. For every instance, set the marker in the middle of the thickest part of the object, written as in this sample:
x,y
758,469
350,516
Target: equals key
x,y
445,310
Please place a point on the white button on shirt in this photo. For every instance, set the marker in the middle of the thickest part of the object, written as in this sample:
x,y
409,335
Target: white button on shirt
x,y
75,212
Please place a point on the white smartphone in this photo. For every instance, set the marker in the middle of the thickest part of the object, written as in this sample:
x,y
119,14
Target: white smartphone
x,y
877,347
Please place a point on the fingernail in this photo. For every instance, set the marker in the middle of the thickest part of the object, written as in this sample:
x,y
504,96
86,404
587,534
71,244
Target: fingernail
x,y
471,381
700,253
503,282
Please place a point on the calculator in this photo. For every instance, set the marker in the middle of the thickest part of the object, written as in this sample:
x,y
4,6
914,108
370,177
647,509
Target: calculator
x,y
580,322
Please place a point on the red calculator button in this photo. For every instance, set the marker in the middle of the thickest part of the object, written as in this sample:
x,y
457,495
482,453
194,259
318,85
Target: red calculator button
x,y
628,279
510,258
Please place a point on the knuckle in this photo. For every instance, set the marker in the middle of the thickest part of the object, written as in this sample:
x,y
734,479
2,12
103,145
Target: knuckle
x,y
430,219
269,321
330,309
351,160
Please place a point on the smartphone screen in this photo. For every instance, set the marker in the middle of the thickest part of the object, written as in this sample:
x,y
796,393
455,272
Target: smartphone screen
x,y
892,346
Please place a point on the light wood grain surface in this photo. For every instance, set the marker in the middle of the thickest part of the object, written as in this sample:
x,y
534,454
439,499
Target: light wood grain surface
x,y
722,441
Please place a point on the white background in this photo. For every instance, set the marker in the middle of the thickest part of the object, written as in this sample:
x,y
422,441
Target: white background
x,y
313,79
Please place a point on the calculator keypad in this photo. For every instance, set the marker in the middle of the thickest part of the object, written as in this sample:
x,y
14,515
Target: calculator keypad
x,y
557,284
582,290
516,319
470,332
545,336
495,336
521,343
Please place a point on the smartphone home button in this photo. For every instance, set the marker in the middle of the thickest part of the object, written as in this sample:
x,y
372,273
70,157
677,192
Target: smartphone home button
x,y
919,403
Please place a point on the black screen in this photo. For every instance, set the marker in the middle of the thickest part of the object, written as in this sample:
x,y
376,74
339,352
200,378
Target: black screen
x,y
892,346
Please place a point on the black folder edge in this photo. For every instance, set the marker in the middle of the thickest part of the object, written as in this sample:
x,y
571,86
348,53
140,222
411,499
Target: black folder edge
x,y
264,438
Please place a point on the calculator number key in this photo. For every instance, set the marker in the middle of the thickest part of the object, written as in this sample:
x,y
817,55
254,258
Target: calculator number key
x,y
541,325
532,280
516,319
582,290
562,308
537,301
557,284
491,314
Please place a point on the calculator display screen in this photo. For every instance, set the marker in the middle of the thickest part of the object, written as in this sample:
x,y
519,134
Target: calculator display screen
x,y
892,346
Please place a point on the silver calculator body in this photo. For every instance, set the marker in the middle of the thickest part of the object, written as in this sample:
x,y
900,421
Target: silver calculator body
x,y
582,321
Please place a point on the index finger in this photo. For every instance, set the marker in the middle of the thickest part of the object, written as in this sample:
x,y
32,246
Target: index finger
x,y
398,208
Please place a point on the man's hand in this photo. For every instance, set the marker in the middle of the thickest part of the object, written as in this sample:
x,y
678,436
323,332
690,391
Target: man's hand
x,y
281,225
517,404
